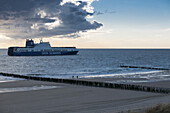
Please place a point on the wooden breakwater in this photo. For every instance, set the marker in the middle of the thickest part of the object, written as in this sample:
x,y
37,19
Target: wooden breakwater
x,y
125,66
94,83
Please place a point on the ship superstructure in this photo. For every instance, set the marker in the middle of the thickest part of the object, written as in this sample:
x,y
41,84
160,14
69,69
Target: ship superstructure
x,y
40,49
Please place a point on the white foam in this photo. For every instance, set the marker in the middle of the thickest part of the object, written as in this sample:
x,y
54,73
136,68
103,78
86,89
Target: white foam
x,y
18,89
111,75
8,79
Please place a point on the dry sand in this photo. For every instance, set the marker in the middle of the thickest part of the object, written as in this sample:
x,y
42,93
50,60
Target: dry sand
x,y
76,99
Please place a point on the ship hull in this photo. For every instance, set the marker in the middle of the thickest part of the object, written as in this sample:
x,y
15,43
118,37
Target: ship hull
x,y
42,53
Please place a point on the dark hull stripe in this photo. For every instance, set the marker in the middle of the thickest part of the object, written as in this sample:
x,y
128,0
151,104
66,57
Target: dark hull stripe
x,y
42,53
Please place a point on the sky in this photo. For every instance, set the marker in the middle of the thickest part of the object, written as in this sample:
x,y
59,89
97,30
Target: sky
x,y
86,23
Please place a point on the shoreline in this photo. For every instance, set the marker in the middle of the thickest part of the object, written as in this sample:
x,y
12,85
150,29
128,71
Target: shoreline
x,y
94,83
160,83
73,98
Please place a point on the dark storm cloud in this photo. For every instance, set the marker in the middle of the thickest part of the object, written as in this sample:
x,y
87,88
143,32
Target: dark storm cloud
x,y
44,18
40,20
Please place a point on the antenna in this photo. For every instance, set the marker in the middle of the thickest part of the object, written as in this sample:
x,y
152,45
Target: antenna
x,y
41,40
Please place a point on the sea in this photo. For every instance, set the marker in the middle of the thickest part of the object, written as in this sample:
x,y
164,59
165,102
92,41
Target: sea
x,y
92,63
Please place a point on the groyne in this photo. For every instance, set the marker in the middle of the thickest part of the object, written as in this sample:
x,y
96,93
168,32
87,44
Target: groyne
x,y
94,83
126,66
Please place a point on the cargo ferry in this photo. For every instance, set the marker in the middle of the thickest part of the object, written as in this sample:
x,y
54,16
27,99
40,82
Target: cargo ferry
x,y
40,49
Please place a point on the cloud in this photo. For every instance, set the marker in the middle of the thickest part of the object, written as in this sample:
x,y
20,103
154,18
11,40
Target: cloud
x,y
105,12
45,18
168,29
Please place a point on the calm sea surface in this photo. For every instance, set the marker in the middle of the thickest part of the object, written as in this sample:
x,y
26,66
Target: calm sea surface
x,y
92,63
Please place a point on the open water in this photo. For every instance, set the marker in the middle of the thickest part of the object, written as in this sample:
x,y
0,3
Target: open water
x,y
90,63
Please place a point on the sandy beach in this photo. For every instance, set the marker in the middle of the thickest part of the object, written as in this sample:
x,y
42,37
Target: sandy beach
x,y
67,98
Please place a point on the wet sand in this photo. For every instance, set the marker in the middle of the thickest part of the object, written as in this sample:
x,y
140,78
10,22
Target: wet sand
x,y
68,98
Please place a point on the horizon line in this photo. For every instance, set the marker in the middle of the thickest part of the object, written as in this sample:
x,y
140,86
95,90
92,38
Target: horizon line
x,y
114,48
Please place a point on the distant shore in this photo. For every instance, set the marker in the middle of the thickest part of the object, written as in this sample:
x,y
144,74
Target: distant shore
x,y
75,99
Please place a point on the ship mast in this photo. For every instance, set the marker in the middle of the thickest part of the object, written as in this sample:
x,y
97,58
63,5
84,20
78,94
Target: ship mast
x,y
41,40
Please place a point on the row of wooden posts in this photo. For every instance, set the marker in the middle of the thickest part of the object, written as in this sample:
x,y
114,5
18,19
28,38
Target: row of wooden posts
x,y
93,83
126,66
